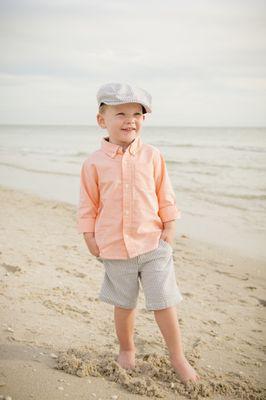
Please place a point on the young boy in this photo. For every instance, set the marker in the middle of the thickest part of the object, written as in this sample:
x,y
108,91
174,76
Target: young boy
x,y
127,214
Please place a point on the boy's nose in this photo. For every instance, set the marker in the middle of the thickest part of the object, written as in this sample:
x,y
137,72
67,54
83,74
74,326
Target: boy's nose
x,y
130,117
131,121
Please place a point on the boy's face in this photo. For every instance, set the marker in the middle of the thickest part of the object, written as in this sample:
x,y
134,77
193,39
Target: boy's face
x,y
123,122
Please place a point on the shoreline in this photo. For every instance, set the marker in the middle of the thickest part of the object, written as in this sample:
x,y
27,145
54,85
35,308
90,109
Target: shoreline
x,y
222,236
49,288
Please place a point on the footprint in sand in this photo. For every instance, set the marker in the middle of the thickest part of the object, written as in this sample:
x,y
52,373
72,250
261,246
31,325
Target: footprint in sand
x,y
261,301
73,272
187,294
242,301
213,322
12,268
71,310
66,247
203,275
251,287
231,275
212,333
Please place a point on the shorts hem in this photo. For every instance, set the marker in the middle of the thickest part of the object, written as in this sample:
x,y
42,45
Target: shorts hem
x,y
166,304
106,300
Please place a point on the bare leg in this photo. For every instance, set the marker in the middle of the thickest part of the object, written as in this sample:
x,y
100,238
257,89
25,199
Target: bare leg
x,y
124,324
168,323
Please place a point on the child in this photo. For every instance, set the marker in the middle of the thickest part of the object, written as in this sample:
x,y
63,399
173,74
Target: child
x,y
127,214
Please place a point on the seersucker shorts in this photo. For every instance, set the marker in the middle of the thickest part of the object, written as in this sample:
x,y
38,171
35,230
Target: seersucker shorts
x,y
154,269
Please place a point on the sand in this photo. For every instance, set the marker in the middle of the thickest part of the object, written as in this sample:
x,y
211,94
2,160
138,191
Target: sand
x,y
58,340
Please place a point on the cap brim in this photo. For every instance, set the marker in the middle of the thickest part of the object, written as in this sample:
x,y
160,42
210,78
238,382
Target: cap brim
x,y
145,108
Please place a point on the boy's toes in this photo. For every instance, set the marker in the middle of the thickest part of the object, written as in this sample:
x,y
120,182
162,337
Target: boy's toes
x,y
126,365
126,360
195,378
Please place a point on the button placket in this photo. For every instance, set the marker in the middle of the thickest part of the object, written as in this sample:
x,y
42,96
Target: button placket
x,y
126,178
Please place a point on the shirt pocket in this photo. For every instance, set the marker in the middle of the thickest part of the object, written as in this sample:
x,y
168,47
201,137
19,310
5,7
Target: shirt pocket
x,y
144,177
110,182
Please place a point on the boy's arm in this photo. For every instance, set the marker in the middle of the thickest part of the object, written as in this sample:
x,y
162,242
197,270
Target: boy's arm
x,y
89,198
88,206
168,210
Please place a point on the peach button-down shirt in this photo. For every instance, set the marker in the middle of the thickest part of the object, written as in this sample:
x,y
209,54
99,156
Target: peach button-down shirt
x,y
125,197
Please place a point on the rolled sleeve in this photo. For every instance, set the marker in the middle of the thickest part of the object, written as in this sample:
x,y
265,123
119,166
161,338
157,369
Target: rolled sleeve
x,y
88,199
168,209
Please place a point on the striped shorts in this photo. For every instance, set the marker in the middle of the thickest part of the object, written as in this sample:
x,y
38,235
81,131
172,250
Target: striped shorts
x,y
154,269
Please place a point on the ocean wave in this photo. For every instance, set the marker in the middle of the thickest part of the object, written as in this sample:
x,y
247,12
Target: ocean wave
x,y
246,148
54,152
209,194
77,153
39,171
244,196
215,165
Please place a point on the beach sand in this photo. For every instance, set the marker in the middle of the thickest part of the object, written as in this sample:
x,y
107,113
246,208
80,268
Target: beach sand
x,y
58,340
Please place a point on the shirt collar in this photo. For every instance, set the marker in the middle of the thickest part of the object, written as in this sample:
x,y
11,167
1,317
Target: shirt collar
x,y
112,149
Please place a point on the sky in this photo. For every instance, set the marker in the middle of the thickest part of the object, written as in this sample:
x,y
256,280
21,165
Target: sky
x,y
203,61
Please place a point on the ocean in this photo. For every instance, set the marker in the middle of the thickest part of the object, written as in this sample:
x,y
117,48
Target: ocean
x,y
218,174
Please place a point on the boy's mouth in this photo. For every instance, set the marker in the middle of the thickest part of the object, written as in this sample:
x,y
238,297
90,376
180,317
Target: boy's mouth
x,y
128,129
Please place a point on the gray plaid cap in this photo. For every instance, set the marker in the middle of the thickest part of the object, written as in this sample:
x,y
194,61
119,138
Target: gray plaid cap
x,y
121,93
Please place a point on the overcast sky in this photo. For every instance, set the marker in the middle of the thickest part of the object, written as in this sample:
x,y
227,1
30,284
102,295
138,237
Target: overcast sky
x,y
204,62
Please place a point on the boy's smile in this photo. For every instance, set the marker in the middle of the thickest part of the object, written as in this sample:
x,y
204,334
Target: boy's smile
x,y
123,122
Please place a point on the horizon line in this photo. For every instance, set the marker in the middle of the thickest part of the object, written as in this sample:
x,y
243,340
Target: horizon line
x,y
149,126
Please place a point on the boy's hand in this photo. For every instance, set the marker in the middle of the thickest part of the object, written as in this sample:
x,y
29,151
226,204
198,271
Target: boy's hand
x,y
168,233
91,243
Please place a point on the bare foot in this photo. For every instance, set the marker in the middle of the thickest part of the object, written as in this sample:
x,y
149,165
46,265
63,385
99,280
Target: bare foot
x,y
184,370
126,359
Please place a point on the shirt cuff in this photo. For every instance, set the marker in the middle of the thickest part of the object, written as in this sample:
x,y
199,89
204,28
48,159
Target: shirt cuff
x,y
86,225
169,213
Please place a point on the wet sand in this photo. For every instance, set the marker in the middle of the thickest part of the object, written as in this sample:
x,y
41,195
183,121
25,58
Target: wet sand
x,y
58,340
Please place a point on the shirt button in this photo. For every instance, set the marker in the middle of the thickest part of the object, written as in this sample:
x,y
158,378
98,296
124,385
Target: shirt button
x,y
127,185
127,211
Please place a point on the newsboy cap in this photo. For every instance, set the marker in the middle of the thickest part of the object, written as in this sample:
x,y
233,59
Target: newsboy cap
x,y
115,93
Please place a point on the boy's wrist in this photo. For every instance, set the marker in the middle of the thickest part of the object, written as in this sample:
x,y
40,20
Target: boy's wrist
x,y
88,234
169,224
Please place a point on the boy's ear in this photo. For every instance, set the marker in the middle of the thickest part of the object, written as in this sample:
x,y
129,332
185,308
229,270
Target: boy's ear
x,y
100,120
